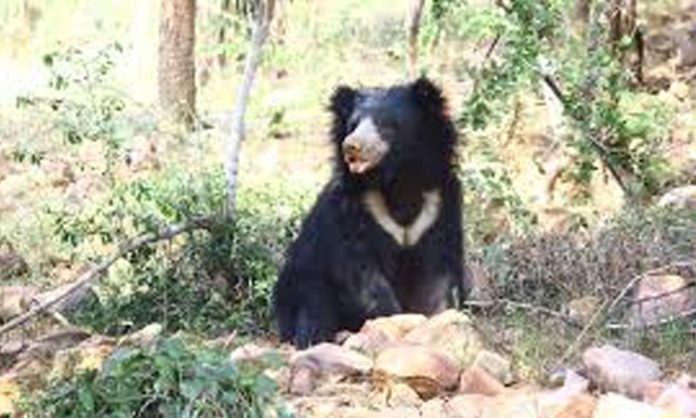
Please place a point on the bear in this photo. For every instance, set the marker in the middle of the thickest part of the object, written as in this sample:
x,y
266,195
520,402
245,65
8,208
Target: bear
x,y
385,234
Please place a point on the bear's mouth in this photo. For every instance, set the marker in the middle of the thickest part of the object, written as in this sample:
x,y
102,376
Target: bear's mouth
x,y
357,164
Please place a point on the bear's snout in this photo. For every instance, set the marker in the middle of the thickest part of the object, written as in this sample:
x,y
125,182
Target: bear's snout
x,y
363,148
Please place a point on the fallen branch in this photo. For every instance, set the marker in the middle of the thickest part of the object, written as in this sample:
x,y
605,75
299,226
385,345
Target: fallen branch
x,y
665,321
97,271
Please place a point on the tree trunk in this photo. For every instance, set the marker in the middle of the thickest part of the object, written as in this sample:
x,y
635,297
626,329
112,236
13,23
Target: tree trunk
x,y
177,68
581,16
262,23
413,28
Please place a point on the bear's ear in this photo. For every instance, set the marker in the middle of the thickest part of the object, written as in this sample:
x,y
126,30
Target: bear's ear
x,y
427,95
342,102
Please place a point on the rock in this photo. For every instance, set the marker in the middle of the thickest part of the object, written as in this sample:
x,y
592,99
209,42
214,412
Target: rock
x,y
333,358
476,380
683,197
508,406
250,353
144,337
662,296
370,343
620,371
303,380
581,406
346,412
582,310
15,300
571,400
466,406
452,332
400,412
11,263
401,394
427,370
573,386
496,365
12,348
435,408
614,405
308,366
677,399
394,327
377,334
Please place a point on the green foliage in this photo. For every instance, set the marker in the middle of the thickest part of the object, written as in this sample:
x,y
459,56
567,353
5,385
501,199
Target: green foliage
x,y
80,100
81,103
172,379
616,124
206,281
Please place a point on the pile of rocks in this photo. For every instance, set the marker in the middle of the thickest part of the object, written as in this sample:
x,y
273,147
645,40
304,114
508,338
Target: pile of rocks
x,y
410,366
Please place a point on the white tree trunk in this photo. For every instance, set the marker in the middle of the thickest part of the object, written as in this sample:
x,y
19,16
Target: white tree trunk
x,y
261,28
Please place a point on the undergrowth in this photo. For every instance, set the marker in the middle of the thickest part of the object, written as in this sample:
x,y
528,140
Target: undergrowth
x,y
172,379
208,281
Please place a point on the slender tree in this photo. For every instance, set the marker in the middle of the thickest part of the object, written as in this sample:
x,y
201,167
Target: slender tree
x,y
176,67
413,19
262,16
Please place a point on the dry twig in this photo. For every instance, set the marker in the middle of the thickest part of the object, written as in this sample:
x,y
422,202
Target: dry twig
x,y
96,272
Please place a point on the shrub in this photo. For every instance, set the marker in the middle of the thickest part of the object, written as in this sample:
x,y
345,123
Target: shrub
x,y
174,378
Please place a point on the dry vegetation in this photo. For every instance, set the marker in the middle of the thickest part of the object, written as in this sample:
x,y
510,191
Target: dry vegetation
x,y
64,205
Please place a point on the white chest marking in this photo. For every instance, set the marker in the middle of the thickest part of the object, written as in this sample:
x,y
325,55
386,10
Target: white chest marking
x,y
409,235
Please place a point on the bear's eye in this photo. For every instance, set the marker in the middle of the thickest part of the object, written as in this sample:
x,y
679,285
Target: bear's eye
x,y
352,124
388,125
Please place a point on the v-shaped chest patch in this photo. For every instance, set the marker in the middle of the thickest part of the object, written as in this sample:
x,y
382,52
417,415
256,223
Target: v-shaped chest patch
x,y
409,235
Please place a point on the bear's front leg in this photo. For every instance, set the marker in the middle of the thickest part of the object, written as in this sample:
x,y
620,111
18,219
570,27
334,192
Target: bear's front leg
x,y
366,294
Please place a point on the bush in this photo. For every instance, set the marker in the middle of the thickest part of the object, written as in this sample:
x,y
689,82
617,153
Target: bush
x,y
551,269
203,281
172,379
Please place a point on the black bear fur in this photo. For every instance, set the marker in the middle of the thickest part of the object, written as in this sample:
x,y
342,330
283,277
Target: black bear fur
x,y
344,268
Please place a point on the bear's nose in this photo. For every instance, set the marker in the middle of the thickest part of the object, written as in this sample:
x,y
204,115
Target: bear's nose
x,y
351,148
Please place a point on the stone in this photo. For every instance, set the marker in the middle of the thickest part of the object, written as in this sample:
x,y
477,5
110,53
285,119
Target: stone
x,y
303,380
427,370
683,197
496,365
401,394
309,366
580,406
508,406
581,310
467,406
476,380
571,400
144,337
677,399
625,372
452,332
659,297
15,300
613,405
376,334
11,263
435,408
400,412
